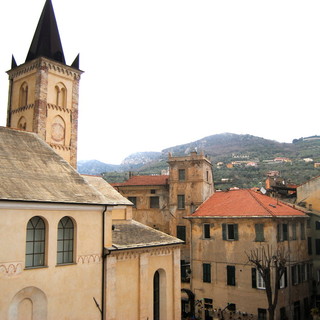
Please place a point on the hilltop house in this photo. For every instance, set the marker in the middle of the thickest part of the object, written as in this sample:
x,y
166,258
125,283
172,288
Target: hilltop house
x,y
226,227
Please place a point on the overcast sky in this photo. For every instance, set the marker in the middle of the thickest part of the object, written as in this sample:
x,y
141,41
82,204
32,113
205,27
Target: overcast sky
x,y
167,72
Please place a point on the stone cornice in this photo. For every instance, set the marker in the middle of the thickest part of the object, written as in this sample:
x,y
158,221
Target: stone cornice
x,y
41,63
129,254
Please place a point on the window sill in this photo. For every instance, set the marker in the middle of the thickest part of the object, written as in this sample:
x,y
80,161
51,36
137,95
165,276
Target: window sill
x,y
65,264
36,267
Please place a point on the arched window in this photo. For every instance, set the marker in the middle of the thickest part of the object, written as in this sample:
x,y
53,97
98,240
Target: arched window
x,y
35,244
22,123
61,95
156,296
58,129
159,295
23,95
65,241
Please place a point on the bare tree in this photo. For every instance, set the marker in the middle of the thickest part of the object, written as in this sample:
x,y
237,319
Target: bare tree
x,y
271,264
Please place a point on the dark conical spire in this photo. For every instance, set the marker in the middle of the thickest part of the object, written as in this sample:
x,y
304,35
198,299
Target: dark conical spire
x,y
13,62
75,63
46,40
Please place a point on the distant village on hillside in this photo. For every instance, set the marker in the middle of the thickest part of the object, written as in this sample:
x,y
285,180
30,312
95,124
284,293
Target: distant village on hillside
x,y
169,244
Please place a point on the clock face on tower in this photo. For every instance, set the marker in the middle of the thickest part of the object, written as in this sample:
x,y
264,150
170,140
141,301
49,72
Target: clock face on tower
x,y
58,130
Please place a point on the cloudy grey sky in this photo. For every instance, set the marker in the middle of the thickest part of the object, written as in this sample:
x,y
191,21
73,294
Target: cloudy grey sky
x,y
163,73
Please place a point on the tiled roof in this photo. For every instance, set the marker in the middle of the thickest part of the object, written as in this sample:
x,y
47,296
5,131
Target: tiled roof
x,y
145,181
107,190
244,203
30,170
128,234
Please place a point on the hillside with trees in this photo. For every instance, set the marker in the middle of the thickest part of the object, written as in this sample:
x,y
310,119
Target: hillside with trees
x,y
238,160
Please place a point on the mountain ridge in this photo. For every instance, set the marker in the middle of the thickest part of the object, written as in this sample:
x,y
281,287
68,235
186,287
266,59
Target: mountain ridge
x,y
226,148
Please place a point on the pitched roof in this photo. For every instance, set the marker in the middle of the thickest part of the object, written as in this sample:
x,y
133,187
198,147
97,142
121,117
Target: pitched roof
x,y
145,181
244,203
107,190
32,171
46,40
128,234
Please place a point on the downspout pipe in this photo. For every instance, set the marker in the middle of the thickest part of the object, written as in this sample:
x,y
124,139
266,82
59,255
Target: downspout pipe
x,y
105,253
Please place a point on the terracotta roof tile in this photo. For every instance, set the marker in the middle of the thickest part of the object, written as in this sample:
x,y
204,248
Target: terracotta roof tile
x,y
144,181
244,203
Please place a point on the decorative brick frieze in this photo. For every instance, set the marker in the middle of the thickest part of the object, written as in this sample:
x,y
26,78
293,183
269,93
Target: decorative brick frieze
x,y
89,259
10,269
55,107
43,63
21,109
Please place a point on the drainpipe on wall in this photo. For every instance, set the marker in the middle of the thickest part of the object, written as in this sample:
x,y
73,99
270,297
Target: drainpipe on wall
x,y
105,253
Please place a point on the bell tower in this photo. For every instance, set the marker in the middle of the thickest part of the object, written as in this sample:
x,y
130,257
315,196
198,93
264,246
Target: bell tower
x,y
44,90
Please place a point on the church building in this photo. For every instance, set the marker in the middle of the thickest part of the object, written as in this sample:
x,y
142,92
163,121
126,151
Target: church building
x,y
69,246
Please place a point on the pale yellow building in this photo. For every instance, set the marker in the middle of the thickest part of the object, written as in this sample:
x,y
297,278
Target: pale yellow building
x,y
308,197
69,246
223,230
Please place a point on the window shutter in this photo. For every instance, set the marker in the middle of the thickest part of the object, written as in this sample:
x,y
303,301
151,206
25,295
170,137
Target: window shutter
x,y
292,275
224,231
236,236
285,231
285,278
278,232
254,277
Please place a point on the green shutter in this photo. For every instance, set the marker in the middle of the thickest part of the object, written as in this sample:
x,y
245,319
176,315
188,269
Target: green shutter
x,y
236,236
254,277
224,231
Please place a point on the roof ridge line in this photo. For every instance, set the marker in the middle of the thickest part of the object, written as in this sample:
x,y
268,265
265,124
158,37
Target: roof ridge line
x,y
262,205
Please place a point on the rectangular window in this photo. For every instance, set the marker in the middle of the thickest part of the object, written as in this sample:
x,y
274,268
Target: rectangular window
x,y
185,271
282,232
295,274
154,202
229,231
181,204
303,231
206,272
317,243
206,230
283,280
133,200
294,231
182,174
262,314
231,275
296,310
257,280
153,191
309,246
208,306
181,232
260,281
259,227
317,225
283,315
